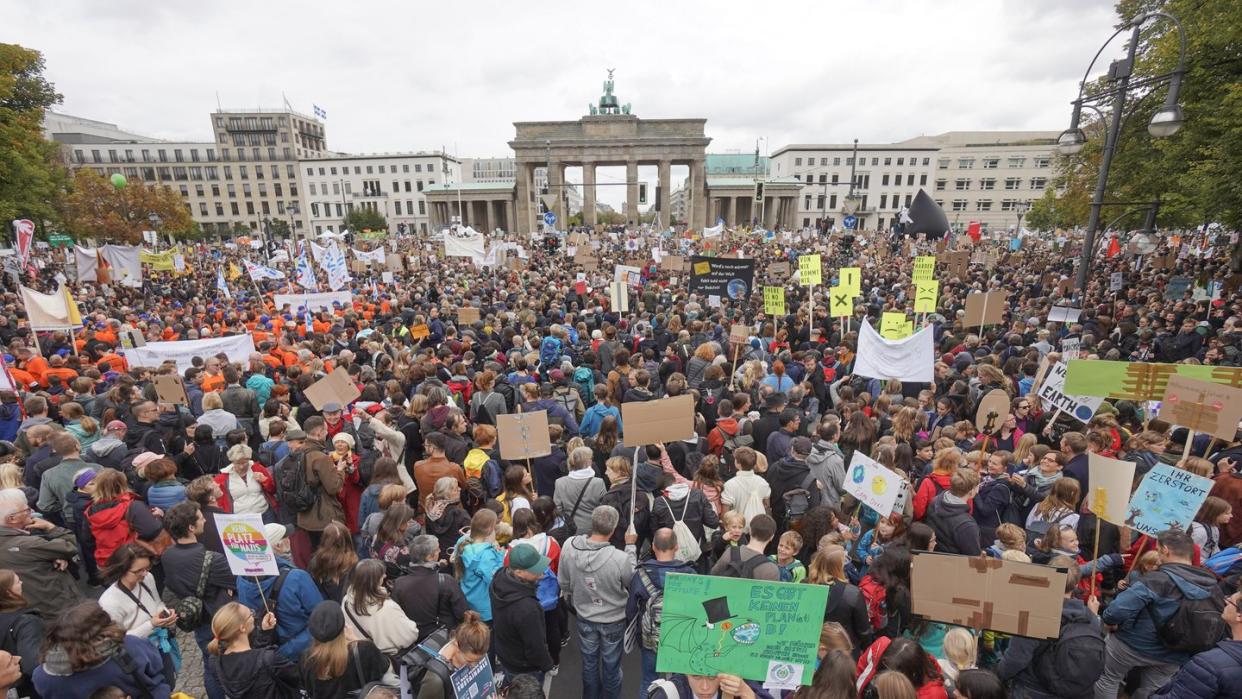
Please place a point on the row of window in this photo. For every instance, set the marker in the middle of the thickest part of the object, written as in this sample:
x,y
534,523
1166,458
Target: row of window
x,y
264,208
823,162
992,163
863,180
987,183
182,174
831,202
370,188
251,123
340,208
178,155
405,167
986,204
255,139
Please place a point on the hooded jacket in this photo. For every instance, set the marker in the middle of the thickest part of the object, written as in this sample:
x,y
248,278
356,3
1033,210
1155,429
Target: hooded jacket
x,y
725,429
480,561
298,597
258,673
1212,673
1157,594
619,497
680,503
1018,663
828,464
518,627
956,531
786,475
596,576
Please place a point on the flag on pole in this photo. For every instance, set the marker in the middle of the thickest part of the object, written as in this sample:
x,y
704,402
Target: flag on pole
x,y
306,273
1114,247
234,272
75,315
319,113
222,285
258,272
974,229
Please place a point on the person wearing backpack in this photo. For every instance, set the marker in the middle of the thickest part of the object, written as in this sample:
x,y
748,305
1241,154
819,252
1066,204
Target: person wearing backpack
x,y
945,465
747,492
1216,672
827,462
292,594
749,561
324,480
949,515
794,488
601,407
566,395
1068,667
686,512
200,579
526,530
647,598
1161,620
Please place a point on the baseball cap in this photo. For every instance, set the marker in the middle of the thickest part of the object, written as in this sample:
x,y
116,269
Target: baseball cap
x,y
525,557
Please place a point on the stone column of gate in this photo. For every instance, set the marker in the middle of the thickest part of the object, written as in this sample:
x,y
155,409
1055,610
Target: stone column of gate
x,y
631,192
556,188
523,190
588,193
698,194
665,175
791,213
487,216
731,216
509,224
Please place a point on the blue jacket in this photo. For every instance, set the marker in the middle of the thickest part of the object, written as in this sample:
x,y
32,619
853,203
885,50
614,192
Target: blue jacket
x,y
369,503
298,597
657,570
165,494
595,415
10,420
1212,673
149,666
555,411
481,561
1133,609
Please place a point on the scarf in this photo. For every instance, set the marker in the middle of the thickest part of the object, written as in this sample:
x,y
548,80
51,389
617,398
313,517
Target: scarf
x,y
436,508
57,660
1042,481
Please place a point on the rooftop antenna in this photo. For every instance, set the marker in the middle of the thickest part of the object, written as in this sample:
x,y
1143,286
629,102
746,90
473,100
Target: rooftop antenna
x,y
218,107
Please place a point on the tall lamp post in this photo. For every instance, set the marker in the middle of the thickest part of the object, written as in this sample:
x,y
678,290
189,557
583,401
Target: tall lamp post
x,y
1164,122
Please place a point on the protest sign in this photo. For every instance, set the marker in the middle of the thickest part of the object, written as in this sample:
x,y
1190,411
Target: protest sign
x,y
420,331
810,270
840,302
955,262
774,300
726,277
924,268
1202,406
246,548
523,435
1168,498
779,271
1071,348
762,631
474,681
738,334
336,387
169,389
1140,381
1116,280
1111,481
851,280
1064,314
1052,392
992,411
873,485
673,263
985,308
988,593
467,315
925,295
238,348
893,325
658,421
1177,288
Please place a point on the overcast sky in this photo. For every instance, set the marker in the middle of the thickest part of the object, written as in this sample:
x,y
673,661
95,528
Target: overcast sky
x,y
402,76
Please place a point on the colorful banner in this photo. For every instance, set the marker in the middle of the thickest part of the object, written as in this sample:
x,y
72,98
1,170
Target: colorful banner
x,y
159,261
245,546
762,631
1168,498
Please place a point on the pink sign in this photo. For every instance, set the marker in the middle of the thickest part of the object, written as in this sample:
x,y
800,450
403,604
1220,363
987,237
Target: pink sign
x,y
23,231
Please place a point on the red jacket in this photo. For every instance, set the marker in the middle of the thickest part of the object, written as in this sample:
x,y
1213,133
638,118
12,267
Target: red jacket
x,y
927,492
869,667
716,438
269,486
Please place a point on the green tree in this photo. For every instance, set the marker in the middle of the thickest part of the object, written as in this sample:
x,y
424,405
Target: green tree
x,y
96,208
361,218
32,177
277,228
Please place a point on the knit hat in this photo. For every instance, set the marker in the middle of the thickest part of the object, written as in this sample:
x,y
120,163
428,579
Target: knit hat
x,y
84,478
327,621
145,458
275,533
344,437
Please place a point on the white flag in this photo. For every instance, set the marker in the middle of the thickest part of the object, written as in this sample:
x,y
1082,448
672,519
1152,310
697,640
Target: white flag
x,y
222,285
258,272
334,263
910,359
306,273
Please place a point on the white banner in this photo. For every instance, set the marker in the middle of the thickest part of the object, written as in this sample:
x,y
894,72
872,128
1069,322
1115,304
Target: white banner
x,y
245,546
315,302
336,268
46,311
125,263
238,348
88,263
317,250
464,242
376,256
910,359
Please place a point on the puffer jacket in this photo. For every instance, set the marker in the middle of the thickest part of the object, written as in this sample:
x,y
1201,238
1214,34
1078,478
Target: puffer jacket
x,y
1212,673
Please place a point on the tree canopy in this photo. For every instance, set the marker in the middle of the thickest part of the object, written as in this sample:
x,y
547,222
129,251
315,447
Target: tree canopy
x,y
96,208
32,177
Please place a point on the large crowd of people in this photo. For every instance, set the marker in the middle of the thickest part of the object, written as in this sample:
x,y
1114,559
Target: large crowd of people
x,y
407,548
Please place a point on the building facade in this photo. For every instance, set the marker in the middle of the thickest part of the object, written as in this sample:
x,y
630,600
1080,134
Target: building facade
x,y
391,184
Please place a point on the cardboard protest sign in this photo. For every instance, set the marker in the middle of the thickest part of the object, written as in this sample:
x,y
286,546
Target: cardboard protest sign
x,y
774,300
1052,392
657,421
467,315
1111,481
673,263
1116,280
925,295
893,325
420,331
851,280
955,262
726,277
1064,314
1140,381
924,268
874,486
738,334
985,308
810,270
170,390
1202,406
992,411
988,593
246,548
779,270
1168,498
840,302
333,388
393,262
1177,288
523,435
762,631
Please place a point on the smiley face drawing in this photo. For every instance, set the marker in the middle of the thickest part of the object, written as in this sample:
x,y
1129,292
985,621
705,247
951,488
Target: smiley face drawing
x,y
879,485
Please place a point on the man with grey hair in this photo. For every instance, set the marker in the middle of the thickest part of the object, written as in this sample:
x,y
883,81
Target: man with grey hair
x,y
596,578
40,553
431,598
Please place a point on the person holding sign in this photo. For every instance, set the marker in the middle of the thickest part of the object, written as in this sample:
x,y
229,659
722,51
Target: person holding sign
x,y
244,656
467,647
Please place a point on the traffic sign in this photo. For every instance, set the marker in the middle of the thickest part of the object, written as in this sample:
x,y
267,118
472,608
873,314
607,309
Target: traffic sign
x,y
549,218
850,221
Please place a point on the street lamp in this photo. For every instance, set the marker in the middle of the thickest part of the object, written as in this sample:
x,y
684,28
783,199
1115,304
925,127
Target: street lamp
x,y
1165,122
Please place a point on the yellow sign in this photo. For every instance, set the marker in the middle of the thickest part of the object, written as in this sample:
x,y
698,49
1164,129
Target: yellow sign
x,y
774,300
841,302
893,326
159,261
925,295
701,268
851,280
810,270
925,268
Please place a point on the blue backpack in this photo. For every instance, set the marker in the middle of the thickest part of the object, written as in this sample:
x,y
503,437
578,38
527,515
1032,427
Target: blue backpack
x,y
584,379
548,590
1223,561
549,353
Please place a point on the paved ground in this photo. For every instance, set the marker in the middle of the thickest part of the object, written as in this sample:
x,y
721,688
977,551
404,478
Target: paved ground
x,y
190,678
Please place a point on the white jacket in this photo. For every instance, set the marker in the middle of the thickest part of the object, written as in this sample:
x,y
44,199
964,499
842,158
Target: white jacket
x,y
391,443
386,626
126,613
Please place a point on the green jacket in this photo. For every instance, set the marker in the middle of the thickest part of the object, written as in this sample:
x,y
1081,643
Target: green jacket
x,y
33,555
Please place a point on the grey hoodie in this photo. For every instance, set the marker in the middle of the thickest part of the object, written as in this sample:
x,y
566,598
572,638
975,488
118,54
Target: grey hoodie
x,y
827,463
596,577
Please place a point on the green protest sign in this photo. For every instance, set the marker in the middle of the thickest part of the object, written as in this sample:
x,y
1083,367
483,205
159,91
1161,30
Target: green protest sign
x,y
1141,381
762,631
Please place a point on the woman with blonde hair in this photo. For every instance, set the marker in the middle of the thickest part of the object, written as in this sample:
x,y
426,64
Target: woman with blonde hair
x,y
703,356
1023,447
335,665
905,425
849,607
443,516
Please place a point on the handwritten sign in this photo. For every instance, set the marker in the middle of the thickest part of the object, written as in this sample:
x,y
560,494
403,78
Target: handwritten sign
x,y
810,270
840,302
1168,498
1052,392
851,280
874,486
925,295
774,300
924,268
893,326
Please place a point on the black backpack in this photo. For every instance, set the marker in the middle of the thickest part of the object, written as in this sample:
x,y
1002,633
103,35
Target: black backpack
x,y
737,568
1070,665
728,467
292,487
801,499
1196,625
266,454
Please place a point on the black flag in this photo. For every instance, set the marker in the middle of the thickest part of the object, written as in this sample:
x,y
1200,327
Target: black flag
x,y
927,217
